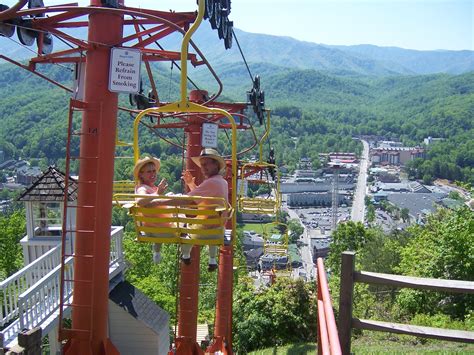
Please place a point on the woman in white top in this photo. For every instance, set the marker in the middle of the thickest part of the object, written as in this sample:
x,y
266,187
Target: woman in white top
x,y
145,173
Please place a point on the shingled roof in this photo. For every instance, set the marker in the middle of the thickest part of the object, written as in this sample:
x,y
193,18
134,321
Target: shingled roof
x,y
139,306
50,187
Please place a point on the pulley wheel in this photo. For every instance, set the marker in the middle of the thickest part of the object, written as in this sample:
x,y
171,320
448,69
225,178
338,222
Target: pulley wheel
x,y
216,17
47,43
222,30
26,36
209,9
229,35
7,29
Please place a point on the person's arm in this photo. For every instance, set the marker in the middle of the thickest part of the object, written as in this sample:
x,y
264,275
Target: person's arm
x,y
162,186
147,198
189,180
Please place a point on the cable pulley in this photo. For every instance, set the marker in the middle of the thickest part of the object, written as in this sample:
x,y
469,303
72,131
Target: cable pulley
x,y
7,28
217,12
25,32
256,99
26,36
142,101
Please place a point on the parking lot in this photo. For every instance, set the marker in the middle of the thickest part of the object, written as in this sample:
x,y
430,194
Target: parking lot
x,y
318,221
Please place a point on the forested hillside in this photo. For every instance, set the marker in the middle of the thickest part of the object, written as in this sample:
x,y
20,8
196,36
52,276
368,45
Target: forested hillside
x,y
421,62
321,99
313,112
323,110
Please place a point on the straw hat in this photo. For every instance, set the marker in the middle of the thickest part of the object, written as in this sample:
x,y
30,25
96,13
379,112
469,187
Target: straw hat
x,y
210,153
142,162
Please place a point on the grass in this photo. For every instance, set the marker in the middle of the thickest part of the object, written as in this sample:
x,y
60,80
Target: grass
x,y
291,349
388,344
258,227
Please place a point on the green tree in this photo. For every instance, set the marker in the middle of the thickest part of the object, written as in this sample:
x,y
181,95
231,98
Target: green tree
x,y
295,228
427,179
455,196
442,248
370,213
405,214
12,229
280,314
348,236
160,281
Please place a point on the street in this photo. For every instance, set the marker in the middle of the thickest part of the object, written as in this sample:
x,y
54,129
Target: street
x,y
305,250
358,204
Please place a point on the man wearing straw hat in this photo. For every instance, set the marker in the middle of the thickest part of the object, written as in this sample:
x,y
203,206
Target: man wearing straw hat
x,y
214,185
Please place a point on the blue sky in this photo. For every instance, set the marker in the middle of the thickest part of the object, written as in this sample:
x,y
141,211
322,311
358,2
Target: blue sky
x,y
412,24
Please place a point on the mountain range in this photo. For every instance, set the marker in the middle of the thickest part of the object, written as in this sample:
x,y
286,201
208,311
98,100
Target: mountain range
x,y
322,94
287,52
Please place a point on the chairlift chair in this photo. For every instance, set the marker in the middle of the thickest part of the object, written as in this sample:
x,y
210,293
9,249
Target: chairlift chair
x,y
177,218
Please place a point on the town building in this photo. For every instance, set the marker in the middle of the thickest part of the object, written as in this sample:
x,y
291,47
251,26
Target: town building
x,y
25,174
342,157
320,247
395,155
252,240
431,140
316,199
318,184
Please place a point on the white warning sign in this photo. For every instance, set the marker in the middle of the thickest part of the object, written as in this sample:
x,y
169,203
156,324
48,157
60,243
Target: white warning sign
x,y
209,135
125,70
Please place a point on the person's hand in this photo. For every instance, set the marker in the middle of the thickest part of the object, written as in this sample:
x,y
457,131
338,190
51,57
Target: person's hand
x,y
162,186
188,178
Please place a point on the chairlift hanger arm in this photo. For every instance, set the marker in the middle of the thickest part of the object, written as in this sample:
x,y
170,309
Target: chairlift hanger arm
x,y
265,135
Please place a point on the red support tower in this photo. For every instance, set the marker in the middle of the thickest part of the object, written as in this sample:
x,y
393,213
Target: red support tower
x,y
89,333
97,150
189,285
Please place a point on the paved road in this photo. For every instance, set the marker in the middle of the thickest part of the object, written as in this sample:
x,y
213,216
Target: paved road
x,y
358,206
305,250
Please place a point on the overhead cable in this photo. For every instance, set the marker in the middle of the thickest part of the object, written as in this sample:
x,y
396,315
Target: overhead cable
x,y
242,54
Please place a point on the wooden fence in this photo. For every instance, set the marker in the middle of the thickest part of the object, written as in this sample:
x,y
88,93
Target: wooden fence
x,y
349,276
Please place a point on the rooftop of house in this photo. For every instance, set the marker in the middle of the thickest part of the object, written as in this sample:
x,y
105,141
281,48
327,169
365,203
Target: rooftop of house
x,y
416,202
50,186
139,306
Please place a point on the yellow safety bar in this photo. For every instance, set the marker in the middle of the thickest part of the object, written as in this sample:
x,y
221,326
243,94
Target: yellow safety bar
x,y
177,218
185,106
260,205
279,247
123,186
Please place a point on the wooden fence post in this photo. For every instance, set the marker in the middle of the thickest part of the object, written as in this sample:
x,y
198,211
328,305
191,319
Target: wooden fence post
x,y
345,300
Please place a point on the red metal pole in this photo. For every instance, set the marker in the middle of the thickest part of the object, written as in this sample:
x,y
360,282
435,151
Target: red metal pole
x,y
328,311
223,323
189,285
96,172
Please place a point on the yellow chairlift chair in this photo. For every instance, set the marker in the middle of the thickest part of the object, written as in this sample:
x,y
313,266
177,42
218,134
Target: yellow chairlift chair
x,y
254,175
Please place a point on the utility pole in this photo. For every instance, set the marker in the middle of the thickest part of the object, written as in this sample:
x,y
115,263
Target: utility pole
x,y
335,166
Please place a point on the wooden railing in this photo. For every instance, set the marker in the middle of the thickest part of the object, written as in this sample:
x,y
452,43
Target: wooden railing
x,y
349,276
328,339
